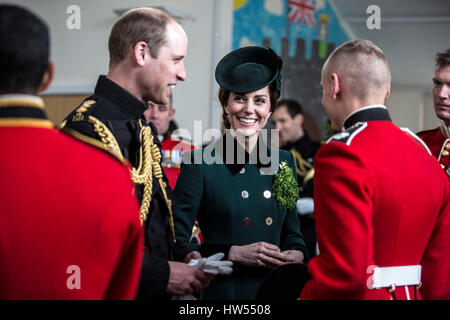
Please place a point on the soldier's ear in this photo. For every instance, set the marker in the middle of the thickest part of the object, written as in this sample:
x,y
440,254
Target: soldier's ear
x,y
47,78
388,93
336,85
141,52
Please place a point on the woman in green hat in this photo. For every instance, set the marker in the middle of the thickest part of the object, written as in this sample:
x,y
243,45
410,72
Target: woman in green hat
x,y
241,191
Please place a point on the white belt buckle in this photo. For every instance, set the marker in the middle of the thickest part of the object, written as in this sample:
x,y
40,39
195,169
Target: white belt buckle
x,y
396,276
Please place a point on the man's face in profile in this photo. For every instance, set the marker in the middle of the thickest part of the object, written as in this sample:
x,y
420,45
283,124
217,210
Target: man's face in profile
x,y
441,93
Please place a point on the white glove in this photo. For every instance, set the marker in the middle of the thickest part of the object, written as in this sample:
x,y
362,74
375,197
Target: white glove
x,y
213,264
305,206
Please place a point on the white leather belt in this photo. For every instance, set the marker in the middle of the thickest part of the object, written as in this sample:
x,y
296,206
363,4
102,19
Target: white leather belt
x,y
397,276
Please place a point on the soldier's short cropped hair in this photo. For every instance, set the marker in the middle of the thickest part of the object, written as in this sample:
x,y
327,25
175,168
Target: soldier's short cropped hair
x,y
442,59
144,24
292,106
363,65
359,46
24,50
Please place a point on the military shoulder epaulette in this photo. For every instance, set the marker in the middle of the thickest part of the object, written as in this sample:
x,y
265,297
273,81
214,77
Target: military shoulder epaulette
x,y
80,114
89,129
83,110
348,135
428,130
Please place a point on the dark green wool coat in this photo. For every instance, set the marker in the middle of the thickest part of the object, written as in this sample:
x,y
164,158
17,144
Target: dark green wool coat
x,y
234,205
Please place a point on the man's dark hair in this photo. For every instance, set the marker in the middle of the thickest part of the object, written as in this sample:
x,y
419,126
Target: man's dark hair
x,y
24,50
443,59
293,107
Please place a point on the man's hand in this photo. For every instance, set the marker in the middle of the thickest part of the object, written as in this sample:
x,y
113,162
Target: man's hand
x,y
259,254
192,255
184,279
294,255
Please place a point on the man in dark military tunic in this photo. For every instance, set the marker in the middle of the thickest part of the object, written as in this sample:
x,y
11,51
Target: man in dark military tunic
x,y
147,48
288,119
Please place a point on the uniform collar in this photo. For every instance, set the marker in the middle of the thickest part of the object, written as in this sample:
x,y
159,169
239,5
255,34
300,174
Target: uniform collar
x,y
444,130
23,110
164,137
18,100
368,113
125,101
238,156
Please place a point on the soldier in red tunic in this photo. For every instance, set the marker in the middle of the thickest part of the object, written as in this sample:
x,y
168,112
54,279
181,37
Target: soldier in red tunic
x,y
161,116
69,222
438,139
383,222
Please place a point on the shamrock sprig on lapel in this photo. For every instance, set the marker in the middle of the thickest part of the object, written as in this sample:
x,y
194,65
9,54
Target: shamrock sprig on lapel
x,y
285,187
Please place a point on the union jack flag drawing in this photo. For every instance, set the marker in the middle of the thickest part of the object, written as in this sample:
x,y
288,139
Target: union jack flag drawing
x,y
302,11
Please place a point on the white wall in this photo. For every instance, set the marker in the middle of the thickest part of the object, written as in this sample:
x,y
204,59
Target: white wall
x,y
412,108
429,120
81,55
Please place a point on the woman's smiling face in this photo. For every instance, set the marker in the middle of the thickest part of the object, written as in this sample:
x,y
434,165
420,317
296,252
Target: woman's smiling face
x,y
248,112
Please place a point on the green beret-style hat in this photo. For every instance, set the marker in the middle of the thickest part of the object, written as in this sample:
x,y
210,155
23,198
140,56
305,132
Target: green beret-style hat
x,y
249,69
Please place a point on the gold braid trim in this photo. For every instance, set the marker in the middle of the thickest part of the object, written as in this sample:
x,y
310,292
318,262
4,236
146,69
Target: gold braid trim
x,y
26,122
143,174
62,125
301,165
106,137
149,166
444,131
157,172
308,176
13,100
